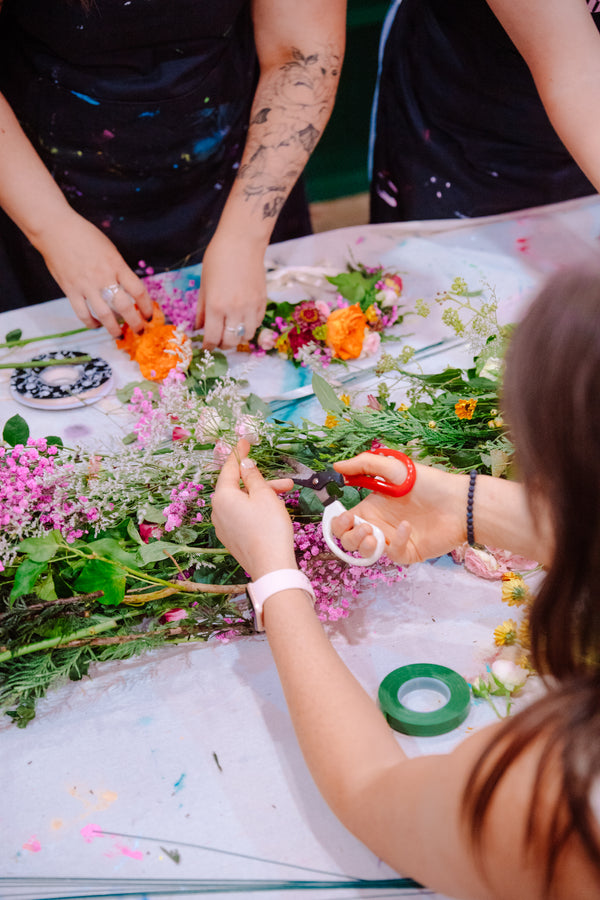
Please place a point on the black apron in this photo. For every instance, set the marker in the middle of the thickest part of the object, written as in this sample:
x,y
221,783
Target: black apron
x,y
459,126
139,110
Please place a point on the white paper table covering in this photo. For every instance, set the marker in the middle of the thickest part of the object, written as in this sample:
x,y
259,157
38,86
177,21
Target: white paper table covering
x,y
132,750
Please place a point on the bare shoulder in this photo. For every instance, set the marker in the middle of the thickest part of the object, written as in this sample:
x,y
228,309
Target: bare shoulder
x,y
424,833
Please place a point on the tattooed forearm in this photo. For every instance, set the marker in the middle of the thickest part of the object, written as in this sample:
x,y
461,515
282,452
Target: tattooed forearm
x,y
290,110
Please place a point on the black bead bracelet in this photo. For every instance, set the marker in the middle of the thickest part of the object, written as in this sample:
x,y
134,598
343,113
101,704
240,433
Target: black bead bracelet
x,y
470,496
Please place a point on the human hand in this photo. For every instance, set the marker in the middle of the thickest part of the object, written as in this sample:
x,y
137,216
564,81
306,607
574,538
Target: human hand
x,y
253,523
425,523
86,264
233,292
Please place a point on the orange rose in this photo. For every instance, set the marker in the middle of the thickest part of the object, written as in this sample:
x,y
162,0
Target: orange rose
x,y
346,331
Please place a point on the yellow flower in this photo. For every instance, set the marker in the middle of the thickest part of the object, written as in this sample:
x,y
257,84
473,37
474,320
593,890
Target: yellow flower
x,y
331,421
514,590
523,634
505,633
371,315
464,409
282,345
432,424
345,398
402,407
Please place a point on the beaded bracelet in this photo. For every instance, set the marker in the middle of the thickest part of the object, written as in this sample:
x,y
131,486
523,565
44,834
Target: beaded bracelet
x,y
470,496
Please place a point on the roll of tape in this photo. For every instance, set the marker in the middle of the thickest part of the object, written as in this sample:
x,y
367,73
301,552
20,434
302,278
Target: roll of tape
x,y
451,686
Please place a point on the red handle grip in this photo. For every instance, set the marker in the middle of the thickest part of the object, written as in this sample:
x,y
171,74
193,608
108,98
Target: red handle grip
x,y
380,485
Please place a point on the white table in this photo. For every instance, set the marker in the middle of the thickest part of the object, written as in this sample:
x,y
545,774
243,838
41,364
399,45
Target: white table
x,y
191,747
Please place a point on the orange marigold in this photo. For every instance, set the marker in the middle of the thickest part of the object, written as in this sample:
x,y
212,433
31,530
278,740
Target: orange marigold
x,y
464,409
156,349
346,331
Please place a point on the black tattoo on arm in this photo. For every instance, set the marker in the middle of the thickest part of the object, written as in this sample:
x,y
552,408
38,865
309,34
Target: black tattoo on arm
x,y
290,110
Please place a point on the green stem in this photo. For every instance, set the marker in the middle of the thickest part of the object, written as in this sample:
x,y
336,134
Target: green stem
x,y
44,363
49,643
45,337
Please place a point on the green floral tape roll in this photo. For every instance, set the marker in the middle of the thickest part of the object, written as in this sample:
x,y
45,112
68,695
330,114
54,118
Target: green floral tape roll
x,y
451,686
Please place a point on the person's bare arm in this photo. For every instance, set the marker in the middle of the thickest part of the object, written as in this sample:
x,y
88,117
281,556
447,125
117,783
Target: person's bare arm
x,y
78,255
432,519
407,811
300,49
561,45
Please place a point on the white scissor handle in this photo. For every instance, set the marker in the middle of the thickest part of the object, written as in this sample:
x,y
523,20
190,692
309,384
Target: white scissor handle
x,y
336,509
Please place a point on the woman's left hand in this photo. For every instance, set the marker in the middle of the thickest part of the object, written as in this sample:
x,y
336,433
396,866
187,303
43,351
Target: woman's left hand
x,y
253,523
233,292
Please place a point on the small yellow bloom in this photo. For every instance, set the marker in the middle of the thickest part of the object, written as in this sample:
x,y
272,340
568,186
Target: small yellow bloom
x,y
523,635
514,590
506,633
371,315
464,409
345,398
432,424
331,421
283,345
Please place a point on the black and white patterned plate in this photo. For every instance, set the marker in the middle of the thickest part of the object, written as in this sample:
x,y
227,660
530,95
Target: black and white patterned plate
x,y
62,387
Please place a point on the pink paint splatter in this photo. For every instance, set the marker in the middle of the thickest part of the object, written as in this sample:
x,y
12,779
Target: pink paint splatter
x,y
523,245
133,854
33,844
90,832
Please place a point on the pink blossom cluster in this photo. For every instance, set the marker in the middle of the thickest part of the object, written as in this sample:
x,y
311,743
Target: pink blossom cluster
x,y
185,505
334,582
178,304
32,493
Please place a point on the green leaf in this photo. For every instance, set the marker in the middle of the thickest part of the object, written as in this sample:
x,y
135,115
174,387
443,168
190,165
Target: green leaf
x,y
16,431
102,576
111,549
46,590
254,405
326,395
155,551
13,336
54,441
125,393
41,549
26,576
351,285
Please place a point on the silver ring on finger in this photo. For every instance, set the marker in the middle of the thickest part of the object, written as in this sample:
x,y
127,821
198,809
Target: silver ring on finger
x,y
108,293
238,330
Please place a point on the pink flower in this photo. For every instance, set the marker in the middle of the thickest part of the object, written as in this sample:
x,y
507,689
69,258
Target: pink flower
x,y
150,530
373,403
490,562
266,338
371,343
323,308
179,433
221,452
247,427
174,615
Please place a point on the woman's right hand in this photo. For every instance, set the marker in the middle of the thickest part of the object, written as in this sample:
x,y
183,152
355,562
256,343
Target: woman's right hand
x,y
427,522
85,263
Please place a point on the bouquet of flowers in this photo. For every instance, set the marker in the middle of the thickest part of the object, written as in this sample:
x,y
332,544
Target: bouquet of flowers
x,y
103,555
349,327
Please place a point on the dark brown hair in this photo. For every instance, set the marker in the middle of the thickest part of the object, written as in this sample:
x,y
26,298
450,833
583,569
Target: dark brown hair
x,y
552,403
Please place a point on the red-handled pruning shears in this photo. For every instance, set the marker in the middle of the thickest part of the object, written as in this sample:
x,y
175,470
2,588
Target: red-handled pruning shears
x,y
381,485
318,482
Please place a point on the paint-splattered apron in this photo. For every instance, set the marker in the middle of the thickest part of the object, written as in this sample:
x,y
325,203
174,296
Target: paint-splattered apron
x,y
139,108
459,129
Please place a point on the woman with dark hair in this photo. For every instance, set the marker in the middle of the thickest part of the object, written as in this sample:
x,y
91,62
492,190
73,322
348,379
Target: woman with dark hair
x,y
484,107
514,811
152,134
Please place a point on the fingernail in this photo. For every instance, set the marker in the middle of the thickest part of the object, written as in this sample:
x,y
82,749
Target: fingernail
x,y
247,463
